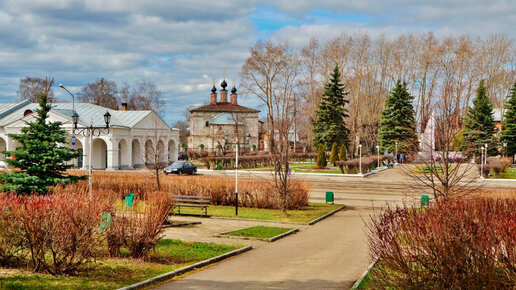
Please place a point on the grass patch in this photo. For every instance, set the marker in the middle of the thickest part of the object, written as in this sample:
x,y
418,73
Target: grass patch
x,y
304,215
510,173
260,232
111,273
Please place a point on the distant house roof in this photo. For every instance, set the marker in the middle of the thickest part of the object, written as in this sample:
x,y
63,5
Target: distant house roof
x,y
224,107
224,119
10,113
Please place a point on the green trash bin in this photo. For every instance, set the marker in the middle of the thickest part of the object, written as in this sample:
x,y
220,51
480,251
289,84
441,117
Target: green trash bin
x,y
425,200
129,199
329,197
219,167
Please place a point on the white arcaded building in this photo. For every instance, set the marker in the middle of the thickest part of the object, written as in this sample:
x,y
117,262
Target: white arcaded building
x,y
133,138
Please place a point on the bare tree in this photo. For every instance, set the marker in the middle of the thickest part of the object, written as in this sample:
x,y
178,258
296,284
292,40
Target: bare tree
x,y
30,87
155,155
101,92
260,76
443,171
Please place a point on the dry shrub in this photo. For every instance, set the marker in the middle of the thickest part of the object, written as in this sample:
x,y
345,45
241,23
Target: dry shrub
x,y
139,228
259,194
12,244
496,165
506,163
61,233
457,243
353,165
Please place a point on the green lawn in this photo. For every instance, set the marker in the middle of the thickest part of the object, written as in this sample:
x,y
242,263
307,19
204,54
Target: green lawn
x,y
311,212
304,167
510,173
261,232
169,255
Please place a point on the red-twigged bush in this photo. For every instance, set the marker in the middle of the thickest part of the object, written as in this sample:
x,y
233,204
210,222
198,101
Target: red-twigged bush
x,y
457,243
61,232
506,162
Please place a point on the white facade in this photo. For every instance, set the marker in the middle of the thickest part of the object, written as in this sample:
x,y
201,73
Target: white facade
x,y
134,136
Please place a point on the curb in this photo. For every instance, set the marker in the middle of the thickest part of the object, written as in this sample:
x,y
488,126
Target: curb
x,y
282,235
257,220
325,216
496,179
359,280
186,269
270,240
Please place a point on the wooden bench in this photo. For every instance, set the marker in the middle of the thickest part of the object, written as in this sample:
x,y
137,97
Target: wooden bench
x,y
201,202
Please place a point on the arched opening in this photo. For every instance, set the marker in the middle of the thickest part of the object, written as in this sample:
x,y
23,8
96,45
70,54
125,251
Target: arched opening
x,y
99,154
149,152
172,151
3,147
136,154
123,155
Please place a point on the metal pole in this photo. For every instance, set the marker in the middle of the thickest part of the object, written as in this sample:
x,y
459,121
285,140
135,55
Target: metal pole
x,y
90,171
396,152
378,151
360,149
236,180
482,163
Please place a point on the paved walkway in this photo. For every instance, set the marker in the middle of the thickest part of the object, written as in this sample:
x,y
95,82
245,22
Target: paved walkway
x,y
331,254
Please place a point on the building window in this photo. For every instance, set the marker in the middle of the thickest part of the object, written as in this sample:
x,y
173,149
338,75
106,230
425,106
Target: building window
x,y
207,123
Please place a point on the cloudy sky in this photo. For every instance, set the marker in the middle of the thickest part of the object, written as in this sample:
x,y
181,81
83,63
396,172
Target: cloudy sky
x,y
183,45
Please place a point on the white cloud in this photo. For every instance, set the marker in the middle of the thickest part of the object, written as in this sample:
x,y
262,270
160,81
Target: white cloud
x,y
183,45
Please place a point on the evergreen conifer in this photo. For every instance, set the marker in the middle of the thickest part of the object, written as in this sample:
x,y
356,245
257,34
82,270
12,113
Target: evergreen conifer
x,y
479,126
40,158
321,157
398,123
342,153
509,123
330,125
334,155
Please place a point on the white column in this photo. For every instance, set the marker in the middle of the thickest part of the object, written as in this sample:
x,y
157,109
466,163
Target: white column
x,y
85,151
129,156
112,159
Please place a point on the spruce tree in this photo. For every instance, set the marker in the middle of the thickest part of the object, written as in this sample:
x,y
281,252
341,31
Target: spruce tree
x,y
40,159
509,123
479,126
330,125
398,123
321,157
342,153
334,155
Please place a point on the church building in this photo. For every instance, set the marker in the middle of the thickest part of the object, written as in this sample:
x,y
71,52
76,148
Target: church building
x,y
220,125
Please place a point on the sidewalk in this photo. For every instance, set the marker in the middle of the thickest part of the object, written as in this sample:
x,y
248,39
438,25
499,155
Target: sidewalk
x,y
330,254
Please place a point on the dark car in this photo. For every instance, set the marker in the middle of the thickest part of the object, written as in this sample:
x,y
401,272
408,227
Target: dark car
x,y
181,167
182,156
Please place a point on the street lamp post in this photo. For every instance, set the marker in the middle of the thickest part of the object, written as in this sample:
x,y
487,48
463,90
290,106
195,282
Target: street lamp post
x,y
482,162
504,143
485,154
378,152
90,131
360,152
396,152
236,177
73,97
